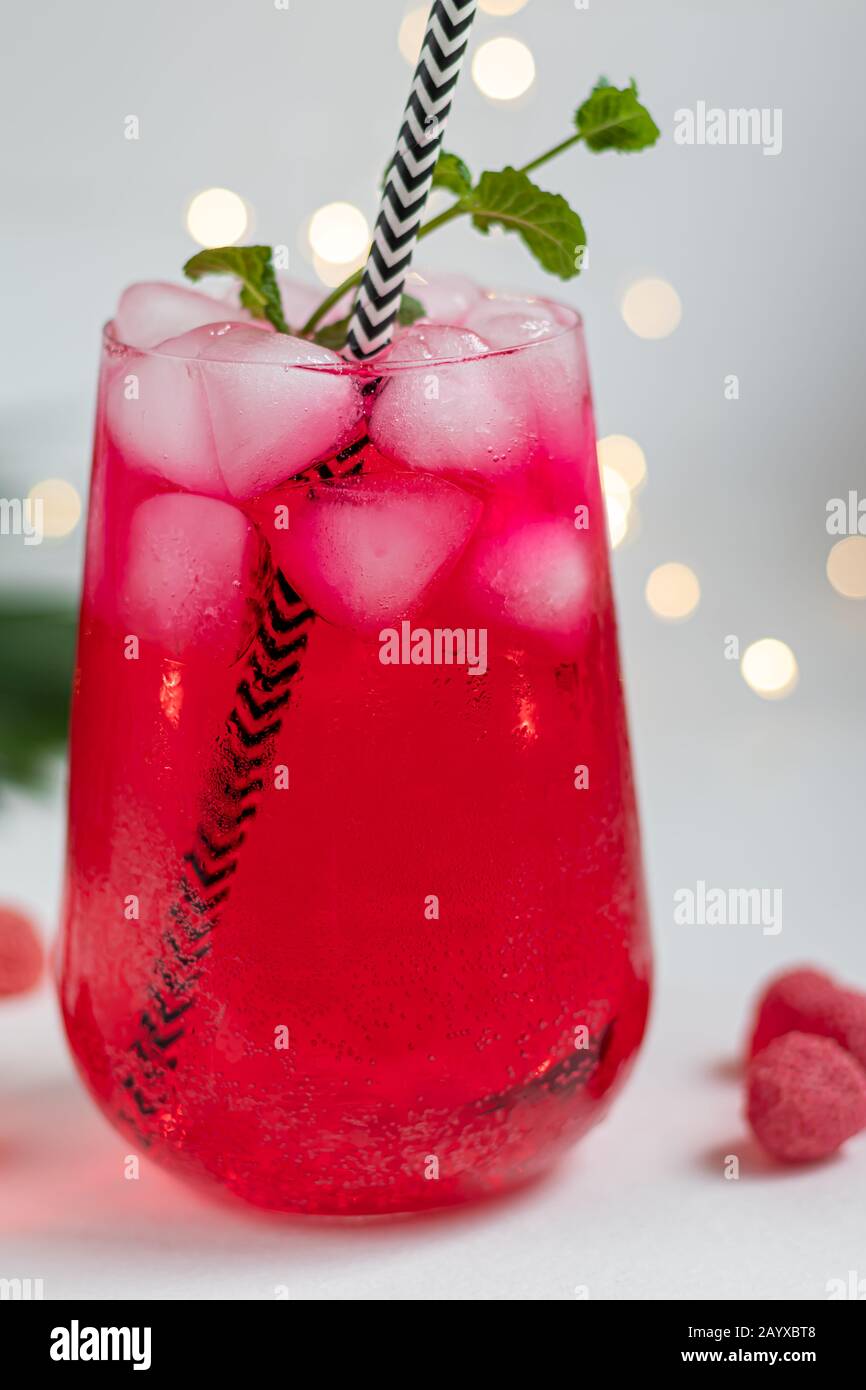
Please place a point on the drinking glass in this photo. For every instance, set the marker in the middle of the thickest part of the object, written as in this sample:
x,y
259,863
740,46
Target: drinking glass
x,y
354,915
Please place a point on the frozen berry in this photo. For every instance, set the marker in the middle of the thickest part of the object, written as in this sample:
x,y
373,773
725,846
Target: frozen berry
x,y
807,1001
806,1096
20,953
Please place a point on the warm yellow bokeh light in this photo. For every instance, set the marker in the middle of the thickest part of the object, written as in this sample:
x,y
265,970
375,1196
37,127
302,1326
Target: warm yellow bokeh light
x,y
769,667
61,506
333,273
617,519
339,233
846,567
625,457
217,217
501,8
615,487
673,592
411,34
503,69
652,308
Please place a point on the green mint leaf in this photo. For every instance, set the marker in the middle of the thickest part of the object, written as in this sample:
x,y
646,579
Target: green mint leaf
x,y
450,172
544,221
334,335
410,310
252,265
613,119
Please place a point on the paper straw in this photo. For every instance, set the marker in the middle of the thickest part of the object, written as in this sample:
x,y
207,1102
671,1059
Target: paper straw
x,y
410,177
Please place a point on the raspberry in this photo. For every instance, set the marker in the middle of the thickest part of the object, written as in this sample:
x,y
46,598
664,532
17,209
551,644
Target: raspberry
x,y
807,1001
806,1096
20,953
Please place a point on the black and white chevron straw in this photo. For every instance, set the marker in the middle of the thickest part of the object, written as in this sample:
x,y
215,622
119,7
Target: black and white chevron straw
x,y
410,177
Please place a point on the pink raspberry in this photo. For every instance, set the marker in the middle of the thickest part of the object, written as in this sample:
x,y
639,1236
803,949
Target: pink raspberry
x,y
808,1001
20,953
806,1096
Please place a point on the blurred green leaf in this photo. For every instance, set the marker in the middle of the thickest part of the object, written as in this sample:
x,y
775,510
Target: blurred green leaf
x,y
37,642
253,266
612,118
544,221
452,173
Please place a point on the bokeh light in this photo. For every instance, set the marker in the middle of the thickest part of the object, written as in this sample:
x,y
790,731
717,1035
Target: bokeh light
x,y
769,667
615,487
501,8
217,217
673,592
846,567
625,457
617,519
503,69
61,506
339,233
333,273
411,34
652,308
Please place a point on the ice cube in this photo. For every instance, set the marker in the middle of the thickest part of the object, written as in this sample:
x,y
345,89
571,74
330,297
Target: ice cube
x,y
156,414
509,321
556,376
366,552
535,577
150,312
299,301
277,403
447,299
553,375
463,417
189,572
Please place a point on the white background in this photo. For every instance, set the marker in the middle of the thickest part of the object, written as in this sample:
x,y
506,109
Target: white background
x,y
296,109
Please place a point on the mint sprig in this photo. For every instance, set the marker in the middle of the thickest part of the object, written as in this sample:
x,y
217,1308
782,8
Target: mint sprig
x,y
450,172
544,221
611,118
253,266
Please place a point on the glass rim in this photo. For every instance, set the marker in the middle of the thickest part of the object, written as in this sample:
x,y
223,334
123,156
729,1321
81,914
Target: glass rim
x,y
569,321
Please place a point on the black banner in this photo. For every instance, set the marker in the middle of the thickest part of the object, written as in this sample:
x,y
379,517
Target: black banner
x,y
67,1338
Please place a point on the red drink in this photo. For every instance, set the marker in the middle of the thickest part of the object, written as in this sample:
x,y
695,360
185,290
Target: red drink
x,y
355,918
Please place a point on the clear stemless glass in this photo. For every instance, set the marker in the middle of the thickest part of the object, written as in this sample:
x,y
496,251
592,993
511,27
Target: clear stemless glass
x,y
354,917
